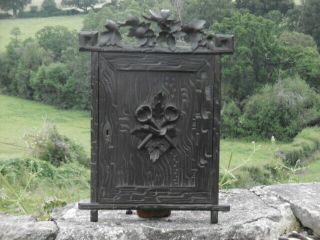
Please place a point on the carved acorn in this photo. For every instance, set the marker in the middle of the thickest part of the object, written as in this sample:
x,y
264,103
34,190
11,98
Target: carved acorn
x,y
141,31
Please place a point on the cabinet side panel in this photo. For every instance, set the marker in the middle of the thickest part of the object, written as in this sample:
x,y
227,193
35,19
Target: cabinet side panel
x,y
94,124
216,125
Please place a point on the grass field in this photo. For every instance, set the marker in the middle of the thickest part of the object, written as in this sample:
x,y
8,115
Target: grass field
x,y
70,182
29,26
19,117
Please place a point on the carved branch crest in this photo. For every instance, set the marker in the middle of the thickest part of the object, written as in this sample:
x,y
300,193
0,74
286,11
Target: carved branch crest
x,y
171,31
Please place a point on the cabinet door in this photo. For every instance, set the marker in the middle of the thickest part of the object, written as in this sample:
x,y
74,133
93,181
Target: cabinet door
x,y
155,141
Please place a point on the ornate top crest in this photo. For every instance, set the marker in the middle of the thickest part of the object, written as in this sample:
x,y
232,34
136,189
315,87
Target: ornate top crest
x,y
191,36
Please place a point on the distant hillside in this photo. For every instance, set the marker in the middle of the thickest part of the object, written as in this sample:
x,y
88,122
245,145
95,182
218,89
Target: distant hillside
x,y
6,25
38,3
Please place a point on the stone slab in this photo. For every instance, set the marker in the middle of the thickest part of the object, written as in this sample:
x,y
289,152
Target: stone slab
x,y
260,213
250,218
304,200
26,228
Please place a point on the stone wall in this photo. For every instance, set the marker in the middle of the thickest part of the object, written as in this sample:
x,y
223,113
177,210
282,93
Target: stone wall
x,y
265,213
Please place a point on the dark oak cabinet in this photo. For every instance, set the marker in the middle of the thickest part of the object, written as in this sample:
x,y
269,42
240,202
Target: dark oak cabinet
x,y
155,128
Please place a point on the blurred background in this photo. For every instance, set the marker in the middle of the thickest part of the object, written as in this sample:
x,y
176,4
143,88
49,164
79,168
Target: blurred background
x,y
270,91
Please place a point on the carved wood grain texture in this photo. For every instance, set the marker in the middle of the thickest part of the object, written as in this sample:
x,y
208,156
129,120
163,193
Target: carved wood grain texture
x,y
187,174
94,125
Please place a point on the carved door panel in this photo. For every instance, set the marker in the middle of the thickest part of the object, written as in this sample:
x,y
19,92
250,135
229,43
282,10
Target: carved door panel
x,y
156,129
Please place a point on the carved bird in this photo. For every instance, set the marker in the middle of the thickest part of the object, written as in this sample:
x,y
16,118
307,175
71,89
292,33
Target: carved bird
x,y
112,37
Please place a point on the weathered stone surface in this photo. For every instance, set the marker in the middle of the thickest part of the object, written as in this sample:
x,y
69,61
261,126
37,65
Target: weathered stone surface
x,y
26,228
250,218
304,200
261,213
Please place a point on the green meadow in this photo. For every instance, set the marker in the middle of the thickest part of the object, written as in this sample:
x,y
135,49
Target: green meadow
x,y
29,26
24,189
19,117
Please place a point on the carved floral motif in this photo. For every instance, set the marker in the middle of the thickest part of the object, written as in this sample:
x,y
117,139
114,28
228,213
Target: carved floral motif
x,y
158,128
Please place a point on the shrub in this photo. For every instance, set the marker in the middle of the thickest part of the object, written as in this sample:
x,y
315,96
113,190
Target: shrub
x,y
56,39
255,61
32,56
49,145
304,145
281,110
54,84
4,73
33,186
231,120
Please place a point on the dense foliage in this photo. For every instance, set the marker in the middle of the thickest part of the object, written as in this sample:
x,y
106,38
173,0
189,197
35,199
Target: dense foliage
x,y
304,145
281,110
256,58
306,18
275,55
47,69
28,186
48,145
262,7
16,6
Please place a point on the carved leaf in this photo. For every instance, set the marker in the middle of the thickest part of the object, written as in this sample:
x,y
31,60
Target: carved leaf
x,y
110,39
194,38
162,38
175,27
151,42
142,42
154,155
171,41
194,25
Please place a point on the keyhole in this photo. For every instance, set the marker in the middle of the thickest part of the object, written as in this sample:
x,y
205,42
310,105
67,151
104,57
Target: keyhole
x,y
107,132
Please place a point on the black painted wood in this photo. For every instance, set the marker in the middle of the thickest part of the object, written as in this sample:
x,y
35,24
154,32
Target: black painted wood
x,y
155,127
183,207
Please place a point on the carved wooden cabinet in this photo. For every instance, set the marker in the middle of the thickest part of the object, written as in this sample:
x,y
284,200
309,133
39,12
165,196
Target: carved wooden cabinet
x,y
155,127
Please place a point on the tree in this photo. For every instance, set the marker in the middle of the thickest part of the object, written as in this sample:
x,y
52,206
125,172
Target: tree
x,y
281,110
295,39
54,84
16,6
262,7
300,56
32,56
82,4
210,10
15,32
56,39
49,6
4,74
310,18
256,60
